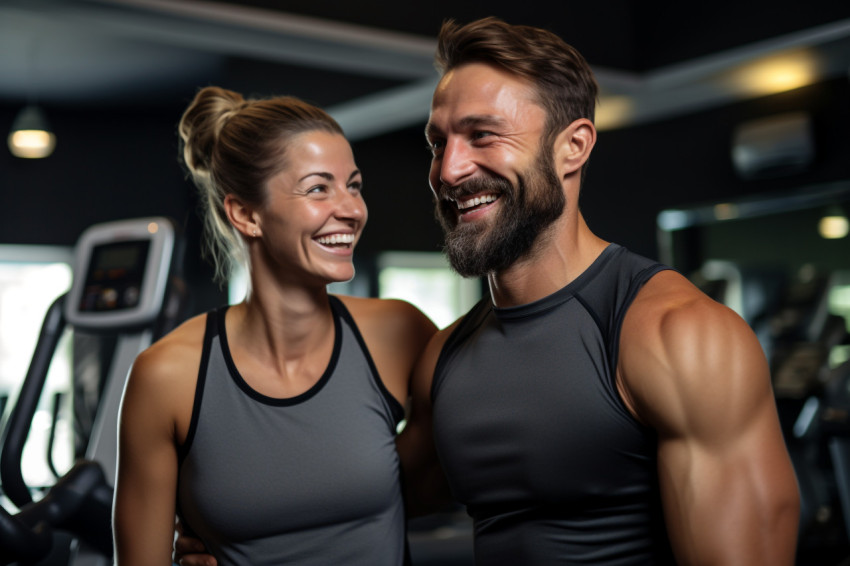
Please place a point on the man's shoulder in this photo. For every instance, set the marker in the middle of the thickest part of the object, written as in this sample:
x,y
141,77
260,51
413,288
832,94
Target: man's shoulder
x,y
669,305
676,341
674,323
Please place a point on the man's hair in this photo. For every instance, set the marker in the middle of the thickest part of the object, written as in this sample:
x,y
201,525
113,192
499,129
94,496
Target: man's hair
x,y
565,86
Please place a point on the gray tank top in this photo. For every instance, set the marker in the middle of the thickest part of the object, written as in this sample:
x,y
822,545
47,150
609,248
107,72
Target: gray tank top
x,y
532,432
307,480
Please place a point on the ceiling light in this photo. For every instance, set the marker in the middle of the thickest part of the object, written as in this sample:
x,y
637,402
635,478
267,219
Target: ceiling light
x,y
779,73
30,136
613,112
834,225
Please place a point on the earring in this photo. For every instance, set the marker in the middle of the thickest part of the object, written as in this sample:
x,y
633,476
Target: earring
x,y
255,233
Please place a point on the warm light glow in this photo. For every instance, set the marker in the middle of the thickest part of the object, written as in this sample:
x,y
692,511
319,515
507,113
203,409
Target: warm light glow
x,y
833,227
725,211
153,227
777,74
613,112
31,144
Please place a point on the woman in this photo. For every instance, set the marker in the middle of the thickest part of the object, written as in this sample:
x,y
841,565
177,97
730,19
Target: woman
x,y
269,426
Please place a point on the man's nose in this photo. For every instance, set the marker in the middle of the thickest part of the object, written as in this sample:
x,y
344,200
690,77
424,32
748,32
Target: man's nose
x,y
456,163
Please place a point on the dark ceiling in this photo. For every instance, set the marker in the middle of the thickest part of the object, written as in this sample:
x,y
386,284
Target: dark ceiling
x,y
369,62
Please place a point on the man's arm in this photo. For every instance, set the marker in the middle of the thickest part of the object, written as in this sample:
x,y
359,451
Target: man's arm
x,y
190,551
425,487
693,370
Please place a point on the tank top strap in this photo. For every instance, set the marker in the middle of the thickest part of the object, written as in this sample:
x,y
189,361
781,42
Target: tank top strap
x,y
211,331
341,311
612,292
471,320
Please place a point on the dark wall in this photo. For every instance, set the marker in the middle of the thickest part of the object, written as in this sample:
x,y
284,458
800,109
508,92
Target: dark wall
x,y
119,163
637,172
109,164
395,168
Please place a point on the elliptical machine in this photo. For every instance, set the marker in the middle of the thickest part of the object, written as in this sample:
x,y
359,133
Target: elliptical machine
x,y
123,285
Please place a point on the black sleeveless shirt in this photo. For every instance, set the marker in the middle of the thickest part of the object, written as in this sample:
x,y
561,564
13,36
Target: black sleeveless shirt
x,y
533,435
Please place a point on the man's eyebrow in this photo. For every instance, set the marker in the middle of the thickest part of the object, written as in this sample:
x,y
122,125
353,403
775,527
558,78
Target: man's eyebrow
x,y
479,120
431,131
468,122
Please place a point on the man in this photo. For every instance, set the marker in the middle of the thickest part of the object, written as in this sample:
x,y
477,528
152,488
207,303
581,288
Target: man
x,y
597,408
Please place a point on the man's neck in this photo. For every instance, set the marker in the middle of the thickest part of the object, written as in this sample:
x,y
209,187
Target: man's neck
x,y
557,259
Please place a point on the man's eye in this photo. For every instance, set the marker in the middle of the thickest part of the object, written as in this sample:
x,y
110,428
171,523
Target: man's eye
x,y
435,145
480,135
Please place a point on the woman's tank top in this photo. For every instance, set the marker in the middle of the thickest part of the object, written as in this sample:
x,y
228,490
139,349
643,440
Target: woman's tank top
x,y
307,480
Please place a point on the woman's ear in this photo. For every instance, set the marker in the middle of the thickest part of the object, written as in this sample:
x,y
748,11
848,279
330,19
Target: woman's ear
x,y
241,216
573,146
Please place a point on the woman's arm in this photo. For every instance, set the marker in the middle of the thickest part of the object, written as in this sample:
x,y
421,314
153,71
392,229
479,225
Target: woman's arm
x,y
146,484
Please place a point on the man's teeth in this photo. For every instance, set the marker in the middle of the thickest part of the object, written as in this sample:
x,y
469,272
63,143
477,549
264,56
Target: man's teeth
x,y
334,239
475,201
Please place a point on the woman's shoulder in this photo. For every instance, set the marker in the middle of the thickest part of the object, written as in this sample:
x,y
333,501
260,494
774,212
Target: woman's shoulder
x,y
389,318
174,354
161,387
395,333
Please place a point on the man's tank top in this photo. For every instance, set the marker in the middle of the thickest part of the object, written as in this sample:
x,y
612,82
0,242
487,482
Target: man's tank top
x,y
307,480
534,436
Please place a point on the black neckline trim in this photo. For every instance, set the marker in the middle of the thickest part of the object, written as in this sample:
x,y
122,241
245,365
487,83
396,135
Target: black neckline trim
x,y
563,294
280,401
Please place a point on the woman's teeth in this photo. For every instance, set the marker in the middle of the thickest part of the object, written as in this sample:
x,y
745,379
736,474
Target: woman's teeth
x,y
335,239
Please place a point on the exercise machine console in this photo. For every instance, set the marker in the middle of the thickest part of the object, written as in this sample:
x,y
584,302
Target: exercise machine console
x,y
122,286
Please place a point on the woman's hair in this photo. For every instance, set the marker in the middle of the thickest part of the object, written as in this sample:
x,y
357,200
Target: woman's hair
x,y
233,145
564,83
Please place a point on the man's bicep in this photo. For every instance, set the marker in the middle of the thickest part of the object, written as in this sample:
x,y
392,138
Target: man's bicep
x,y
726,479
731,499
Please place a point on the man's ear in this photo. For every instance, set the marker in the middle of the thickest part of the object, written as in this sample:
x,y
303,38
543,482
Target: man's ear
x,y
573,146
241,216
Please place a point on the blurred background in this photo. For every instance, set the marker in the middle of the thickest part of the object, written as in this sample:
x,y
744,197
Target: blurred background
x,y
724,151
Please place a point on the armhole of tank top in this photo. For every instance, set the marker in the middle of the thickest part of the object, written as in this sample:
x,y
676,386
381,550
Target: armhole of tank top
x,y
396,408
638,281
611,334
471,320
209,333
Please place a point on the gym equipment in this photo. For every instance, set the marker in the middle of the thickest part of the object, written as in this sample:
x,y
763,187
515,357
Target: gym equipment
x,y
813,400
790,314
123,286
820,449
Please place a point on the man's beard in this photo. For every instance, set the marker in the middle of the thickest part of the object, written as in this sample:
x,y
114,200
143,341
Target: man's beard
x,y
476,249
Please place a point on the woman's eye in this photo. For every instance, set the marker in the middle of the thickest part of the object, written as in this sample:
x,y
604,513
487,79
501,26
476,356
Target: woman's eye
x,y
316,189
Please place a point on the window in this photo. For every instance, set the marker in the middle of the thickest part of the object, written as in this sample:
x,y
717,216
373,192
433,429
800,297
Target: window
x,y
426,280
31,278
